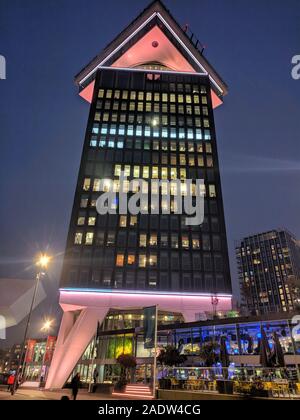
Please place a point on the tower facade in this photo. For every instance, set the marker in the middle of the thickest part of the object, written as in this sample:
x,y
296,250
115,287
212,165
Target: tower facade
x,y
269,272
152,95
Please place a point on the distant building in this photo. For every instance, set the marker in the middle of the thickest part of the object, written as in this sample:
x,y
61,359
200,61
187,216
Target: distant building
x,y
10,358
269,272
37,359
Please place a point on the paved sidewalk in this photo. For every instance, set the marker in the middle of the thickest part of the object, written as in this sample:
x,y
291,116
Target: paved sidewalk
x,y
36,394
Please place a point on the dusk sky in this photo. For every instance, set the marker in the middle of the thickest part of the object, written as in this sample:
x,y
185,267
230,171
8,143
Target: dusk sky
x,y
43,120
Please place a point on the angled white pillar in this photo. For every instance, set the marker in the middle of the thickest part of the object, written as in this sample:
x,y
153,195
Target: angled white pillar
x,y
76,333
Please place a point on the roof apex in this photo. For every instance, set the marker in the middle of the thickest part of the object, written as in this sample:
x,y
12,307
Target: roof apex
x,y
155,10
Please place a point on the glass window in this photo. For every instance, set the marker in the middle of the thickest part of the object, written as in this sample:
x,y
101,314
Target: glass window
x,y
133,220
153,260
185,242
86,184
131,259
153,239
146,172
78,238
89,238
143,240
92,221
123,221
142,260
212,191
81,220
120,260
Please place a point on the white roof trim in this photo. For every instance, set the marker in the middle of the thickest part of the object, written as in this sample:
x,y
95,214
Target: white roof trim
x,y
100,65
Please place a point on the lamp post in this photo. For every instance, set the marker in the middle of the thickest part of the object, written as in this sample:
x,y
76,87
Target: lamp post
x,y
42,263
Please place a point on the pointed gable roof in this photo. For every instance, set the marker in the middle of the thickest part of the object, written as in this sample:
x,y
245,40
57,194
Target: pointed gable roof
x,y
153,36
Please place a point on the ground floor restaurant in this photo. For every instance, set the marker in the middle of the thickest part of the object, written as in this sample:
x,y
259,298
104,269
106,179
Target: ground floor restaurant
x,y
242,337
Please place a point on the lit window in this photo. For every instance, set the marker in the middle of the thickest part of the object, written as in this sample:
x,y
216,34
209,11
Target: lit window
x,y
133,220
147,131
116,185
118,170
86,184
89,238
84,202
146,172
173,173
136,171
200,160
198,134
207,135
142,260
155,172
182,173
130,130
185,242
78,238
143,240
81,220
191,161
182,146
123,221
196,99
199,148
107,185
101,93
182,160
212,191
92,221
103,129
96,184
196,243
120,260
208,148
190,133
102,143
131,259
153,260
153,239
164,173
127,170
121,130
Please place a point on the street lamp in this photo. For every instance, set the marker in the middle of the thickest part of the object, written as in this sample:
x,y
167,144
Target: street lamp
x,y
42,262
48,324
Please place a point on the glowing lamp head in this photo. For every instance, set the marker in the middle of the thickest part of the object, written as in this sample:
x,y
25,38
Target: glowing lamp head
x,y
47,325
43,261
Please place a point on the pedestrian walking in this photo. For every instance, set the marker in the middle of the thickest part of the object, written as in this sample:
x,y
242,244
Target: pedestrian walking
x,y
75,384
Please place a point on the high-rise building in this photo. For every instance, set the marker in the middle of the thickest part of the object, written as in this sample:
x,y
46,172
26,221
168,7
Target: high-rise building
x,y
152,95
269,271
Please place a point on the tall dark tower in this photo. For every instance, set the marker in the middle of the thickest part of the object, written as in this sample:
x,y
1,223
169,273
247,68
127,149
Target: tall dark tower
x,y
152,95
